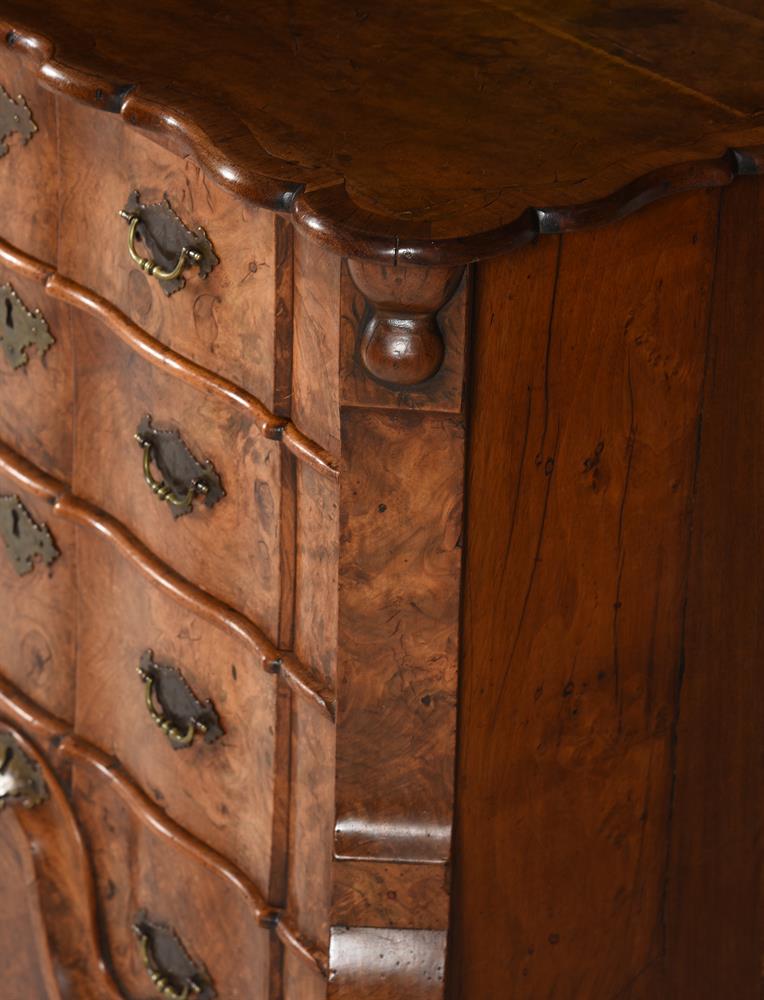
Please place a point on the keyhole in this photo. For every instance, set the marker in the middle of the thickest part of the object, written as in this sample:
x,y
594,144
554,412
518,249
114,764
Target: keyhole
x,y
9,314
15,523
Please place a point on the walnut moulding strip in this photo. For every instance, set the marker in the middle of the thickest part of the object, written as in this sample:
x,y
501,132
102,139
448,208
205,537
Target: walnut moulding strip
x,y
62,744
268,424
325,205
298,676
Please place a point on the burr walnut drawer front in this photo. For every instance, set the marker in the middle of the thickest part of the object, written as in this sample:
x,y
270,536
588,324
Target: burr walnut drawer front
x,y
28,160
192,475
183,703
227,305
35,372
173,923
38,599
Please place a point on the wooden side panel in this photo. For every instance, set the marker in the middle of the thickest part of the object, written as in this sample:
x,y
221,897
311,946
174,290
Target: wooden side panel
x,y
38,614
715,908
588,370
29,174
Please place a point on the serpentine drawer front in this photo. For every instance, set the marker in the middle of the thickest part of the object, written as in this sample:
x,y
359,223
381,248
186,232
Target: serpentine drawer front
x,y
380,500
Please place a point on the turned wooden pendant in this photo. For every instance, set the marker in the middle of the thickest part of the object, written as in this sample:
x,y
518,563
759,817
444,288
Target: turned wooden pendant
x,y
401,343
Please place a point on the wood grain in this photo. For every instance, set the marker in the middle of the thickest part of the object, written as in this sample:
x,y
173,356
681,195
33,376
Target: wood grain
x,y
115,388
38,614
715,897
21,475
400,559
473,148
26,962
36,399
140,870
226,322
65,749
587,391
380,894
29,174
223,792
71,960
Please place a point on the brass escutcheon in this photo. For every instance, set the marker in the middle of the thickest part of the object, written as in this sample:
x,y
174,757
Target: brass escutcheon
x,y
15,116
20,780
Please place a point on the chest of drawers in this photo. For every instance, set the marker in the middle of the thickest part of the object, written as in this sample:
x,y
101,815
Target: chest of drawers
x,y
380,500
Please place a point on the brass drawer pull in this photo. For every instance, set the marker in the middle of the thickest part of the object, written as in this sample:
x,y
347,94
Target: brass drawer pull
x,y
171,245
15,116
150,266
169,966
183,477
180,714
159,488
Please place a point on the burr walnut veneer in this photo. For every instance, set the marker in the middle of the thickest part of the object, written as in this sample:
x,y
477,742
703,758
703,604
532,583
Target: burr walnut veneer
x,y
380,500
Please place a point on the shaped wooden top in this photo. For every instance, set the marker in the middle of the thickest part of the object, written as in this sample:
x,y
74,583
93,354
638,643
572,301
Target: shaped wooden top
x,y
428,131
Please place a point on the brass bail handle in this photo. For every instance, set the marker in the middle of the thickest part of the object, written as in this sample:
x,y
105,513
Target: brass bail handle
x,y
150,266
159,979
159,488
179,737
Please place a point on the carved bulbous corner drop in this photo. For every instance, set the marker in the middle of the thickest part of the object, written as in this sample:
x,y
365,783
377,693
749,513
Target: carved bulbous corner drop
x,y
400,342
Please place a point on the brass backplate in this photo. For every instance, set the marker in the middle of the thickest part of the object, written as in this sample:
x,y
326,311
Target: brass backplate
x,y
15,116
20,328
20,780
180,705
165,957
24,538
179,467
165,235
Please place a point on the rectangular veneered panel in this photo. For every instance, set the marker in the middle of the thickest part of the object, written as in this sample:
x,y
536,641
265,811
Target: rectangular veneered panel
x,y
38,613
316,596
715,900
138,869
29,173
311,823
233,549
589,358
316,362
388,894
223,792
233,322
400,560
36,397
